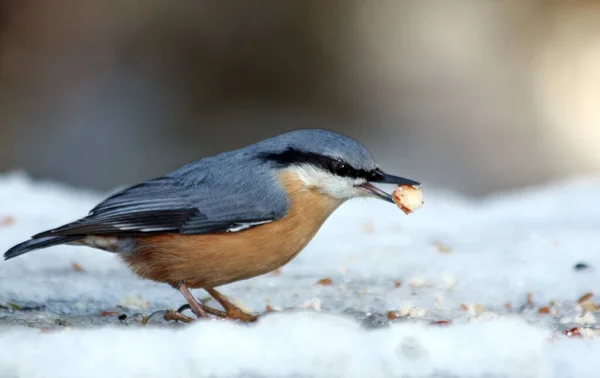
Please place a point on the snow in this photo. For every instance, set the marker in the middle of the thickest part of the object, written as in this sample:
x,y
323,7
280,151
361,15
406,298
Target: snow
x,y
486,266
306,344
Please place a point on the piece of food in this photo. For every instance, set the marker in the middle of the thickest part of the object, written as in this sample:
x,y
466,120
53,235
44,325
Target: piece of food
x,y
408,198
324,282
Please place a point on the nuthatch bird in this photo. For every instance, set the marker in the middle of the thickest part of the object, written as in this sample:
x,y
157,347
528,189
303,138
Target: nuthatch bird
x,y
228,217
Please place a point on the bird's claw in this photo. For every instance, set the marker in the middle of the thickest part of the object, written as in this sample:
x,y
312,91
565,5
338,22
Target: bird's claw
x,y
184,307
155,315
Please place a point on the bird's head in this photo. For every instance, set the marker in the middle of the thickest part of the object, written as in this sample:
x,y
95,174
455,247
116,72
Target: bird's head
x,y
331,163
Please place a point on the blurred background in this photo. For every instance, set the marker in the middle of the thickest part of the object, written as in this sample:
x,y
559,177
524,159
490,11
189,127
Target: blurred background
x,y
476,96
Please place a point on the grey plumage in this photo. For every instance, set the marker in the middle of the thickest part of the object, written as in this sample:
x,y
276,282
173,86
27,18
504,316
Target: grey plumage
x,y
232,191
321,142
193,200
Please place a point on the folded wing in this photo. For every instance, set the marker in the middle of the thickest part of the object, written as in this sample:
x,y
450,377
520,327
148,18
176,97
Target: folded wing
x,y
174,204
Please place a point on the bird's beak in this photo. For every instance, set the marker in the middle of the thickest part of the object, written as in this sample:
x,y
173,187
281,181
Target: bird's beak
x,y
383,178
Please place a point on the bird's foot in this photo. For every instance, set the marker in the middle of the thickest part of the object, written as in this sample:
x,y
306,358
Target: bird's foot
x,y
232,311
172,315
168,315
178,316
231,314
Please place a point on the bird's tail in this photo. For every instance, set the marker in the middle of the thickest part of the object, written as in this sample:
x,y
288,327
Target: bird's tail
x,y
38,243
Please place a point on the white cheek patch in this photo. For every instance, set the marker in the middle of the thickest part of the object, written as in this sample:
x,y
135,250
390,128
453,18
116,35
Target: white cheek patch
x,y
328,183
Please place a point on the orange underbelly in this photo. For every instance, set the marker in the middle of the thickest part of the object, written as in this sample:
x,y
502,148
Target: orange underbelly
x,y
212,260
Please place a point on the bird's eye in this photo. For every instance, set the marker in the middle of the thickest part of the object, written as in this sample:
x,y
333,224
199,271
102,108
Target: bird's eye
x,y
340,168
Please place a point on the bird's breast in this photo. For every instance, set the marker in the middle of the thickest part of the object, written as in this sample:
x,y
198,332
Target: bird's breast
x,y
211,260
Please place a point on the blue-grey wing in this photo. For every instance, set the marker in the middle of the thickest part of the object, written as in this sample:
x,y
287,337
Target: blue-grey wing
x,y
178,204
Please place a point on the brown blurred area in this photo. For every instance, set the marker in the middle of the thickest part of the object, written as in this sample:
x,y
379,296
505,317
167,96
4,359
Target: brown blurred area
x,y
477,96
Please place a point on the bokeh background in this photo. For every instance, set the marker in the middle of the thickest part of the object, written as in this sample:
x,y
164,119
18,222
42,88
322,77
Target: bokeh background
x,y
477,96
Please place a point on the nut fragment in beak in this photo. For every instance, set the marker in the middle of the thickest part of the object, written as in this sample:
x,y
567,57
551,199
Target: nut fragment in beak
x,y
408,198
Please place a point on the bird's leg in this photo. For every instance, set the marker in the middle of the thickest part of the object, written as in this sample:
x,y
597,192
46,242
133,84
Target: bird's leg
x,y
231,310
194,305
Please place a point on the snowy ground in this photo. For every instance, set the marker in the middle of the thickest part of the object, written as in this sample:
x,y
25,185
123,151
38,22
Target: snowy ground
x,y
458,289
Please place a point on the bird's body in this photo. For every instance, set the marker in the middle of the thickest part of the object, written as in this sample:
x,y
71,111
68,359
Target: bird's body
x,y
217,259
229,217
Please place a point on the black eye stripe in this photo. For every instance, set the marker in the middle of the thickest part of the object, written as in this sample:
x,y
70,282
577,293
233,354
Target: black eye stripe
x,y
335,166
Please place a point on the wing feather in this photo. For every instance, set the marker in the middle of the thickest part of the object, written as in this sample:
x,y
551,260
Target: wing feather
x,y
171,204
